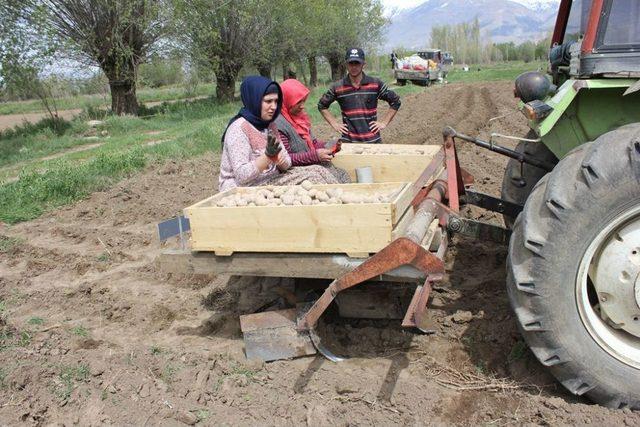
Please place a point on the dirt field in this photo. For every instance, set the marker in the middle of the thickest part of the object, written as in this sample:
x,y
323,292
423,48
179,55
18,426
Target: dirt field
x,y
94,333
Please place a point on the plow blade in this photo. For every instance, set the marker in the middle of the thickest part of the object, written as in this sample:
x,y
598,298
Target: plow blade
x,y
273,335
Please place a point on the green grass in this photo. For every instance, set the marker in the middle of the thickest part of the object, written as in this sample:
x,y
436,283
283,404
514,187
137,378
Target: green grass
x,y
36,321
3,377
68,377
493,72
6,245
80,331
101,100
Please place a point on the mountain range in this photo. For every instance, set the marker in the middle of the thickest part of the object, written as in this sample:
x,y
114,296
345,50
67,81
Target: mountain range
x,y
501,20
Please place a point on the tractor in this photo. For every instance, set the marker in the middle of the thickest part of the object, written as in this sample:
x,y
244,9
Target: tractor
x,y
574,254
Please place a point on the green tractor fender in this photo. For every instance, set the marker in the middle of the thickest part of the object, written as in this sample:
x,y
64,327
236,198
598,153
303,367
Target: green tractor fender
x,y
585,109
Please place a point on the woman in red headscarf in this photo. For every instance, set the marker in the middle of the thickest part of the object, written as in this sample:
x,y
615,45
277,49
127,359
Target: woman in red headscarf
x,y
294,127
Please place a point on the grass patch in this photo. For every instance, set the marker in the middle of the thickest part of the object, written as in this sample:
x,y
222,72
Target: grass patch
x,y
6,339
103,257
493,72
202,414
518,351
69,376
7,244
168,373
104,100
80,331
3,378
190,129
156,351
36,321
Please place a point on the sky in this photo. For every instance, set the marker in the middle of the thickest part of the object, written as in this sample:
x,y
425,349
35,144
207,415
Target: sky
x,y
405,4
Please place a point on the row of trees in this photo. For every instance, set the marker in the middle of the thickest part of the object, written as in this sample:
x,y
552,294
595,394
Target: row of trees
x,y
222,35
468,46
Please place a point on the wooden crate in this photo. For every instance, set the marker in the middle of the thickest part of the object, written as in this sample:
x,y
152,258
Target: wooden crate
x,y
354,229
389,162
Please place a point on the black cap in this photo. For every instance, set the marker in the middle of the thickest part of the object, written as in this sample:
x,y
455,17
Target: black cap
x,y
355,55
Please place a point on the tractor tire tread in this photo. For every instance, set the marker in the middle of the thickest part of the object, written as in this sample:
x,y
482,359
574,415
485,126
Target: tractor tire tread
x,y
553,208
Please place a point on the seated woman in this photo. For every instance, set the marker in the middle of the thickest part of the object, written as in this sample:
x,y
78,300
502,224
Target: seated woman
x,y
252,153
294,127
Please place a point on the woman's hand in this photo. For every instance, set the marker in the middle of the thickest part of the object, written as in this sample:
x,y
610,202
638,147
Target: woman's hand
x,y
324,154
281,161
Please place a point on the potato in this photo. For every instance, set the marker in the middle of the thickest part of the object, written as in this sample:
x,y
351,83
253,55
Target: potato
x,y
251,204
305,200
322,196
356,198
287,199
346,198
279,191
277,202
333,201
297,202
313,192
315,202
241,201
306,184
261,201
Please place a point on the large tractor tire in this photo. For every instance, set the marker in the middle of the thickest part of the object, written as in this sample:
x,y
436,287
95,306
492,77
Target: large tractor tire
x,y
574,269
519,181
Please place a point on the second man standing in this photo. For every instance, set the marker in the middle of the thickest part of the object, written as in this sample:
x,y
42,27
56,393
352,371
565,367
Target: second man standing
x,y
358,96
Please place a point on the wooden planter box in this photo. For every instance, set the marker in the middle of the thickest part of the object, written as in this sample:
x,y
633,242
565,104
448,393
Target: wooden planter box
x,y
354,229
389,162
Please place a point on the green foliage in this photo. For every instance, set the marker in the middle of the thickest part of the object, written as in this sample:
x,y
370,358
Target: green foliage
x,y
3,377
155,350
80,331
68,377
492,72
159,72
518,351
463,41
25,339
35,192
37,321
7,244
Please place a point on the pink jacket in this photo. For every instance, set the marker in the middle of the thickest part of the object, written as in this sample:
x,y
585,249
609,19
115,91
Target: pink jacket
x,y
243,144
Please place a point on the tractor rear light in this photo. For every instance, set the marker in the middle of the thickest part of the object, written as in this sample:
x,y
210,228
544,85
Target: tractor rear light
x,y
536,110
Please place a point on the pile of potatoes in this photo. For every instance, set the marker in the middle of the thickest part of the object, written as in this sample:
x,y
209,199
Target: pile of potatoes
x,y
381,149
301,195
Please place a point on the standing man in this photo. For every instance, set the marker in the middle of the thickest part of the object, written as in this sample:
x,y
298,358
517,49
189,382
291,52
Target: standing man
x,y
358,96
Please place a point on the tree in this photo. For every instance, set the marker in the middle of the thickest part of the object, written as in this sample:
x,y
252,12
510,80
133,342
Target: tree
x,y
24,53
348,23
224,36
116,35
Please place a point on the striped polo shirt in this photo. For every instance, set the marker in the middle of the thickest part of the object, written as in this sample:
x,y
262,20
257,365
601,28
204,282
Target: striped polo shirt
x,y
359,105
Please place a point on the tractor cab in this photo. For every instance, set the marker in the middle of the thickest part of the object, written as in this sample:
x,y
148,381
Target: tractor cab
x,y
596,39
594,63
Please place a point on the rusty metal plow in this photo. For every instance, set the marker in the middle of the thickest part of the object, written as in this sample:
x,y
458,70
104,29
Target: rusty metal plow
x,y
292,333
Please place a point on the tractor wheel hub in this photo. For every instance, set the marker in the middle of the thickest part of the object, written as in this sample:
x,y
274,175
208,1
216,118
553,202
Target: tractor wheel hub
x,y
615,273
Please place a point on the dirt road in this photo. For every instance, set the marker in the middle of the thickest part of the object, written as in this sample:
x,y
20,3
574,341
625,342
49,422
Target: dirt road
x,y
92,332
